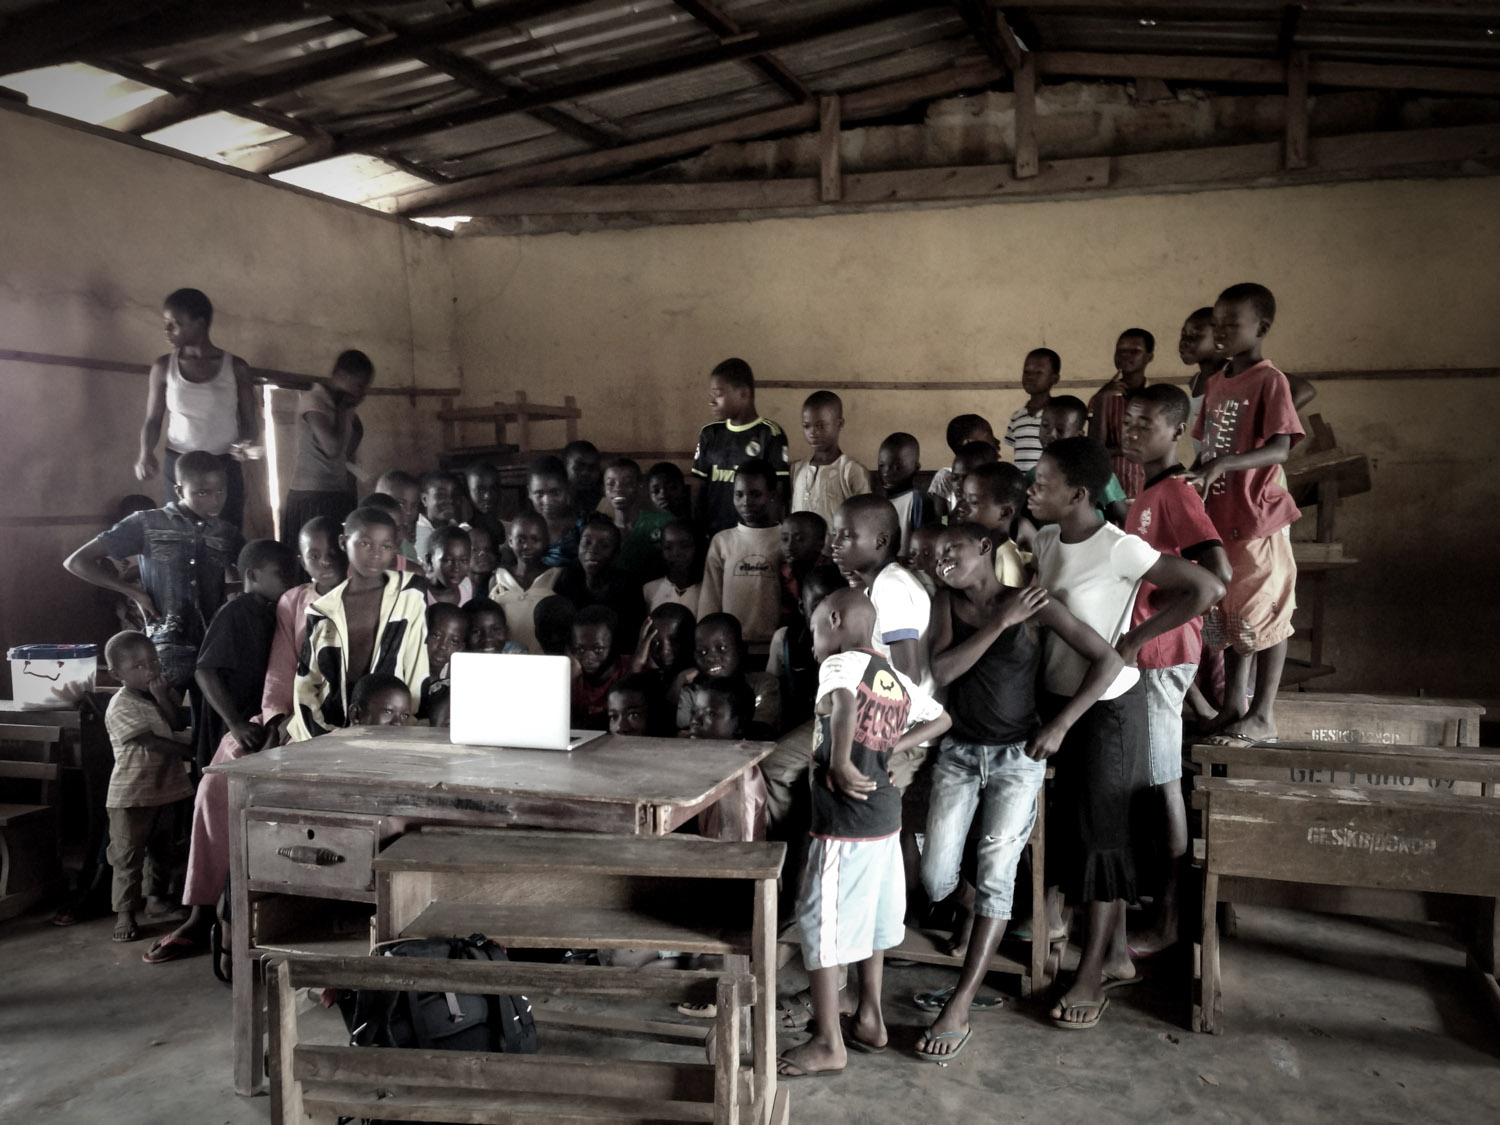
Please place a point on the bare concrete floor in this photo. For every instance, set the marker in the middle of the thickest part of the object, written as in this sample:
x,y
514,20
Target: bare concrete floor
x,y
1326,1020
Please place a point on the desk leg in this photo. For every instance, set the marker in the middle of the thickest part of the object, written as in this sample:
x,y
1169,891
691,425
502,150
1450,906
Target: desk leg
x,y
763,965
1035,981
733,809
247,1017
1208,1006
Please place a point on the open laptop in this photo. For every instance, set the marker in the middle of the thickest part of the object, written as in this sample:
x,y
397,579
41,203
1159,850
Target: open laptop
x,y
518,701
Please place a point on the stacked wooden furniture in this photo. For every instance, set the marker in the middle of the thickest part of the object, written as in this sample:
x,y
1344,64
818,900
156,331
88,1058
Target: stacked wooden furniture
x,y
30,866
1368,805
1321,474
564,890
522,413
321,1085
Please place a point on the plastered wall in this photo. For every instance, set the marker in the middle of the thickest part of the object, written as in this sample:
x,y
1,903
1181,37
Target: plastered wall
x,y
1382,275
93,234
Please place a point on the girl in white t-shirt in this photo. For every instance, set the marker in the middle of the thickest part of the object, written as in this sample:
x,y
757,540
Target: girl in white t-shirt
x,y
1096,849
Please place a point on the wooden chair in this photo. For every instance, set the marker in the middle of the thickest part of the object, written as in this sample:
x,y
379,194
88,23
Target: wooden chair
x,y
30,864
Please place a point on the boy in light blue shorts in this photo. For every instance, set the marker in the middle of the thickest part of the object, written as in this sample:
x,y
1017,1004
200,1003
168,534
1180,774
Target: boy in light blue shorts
x,y
853,896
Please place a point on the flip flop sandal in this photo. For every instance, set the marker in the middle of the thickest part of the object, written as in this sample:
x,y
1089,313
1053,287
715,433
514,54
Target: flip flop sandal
x,y
854,1043
170,948
1098,1007
928,1038
697,1011
1111,983
782,1060
934,1001
223,965
129,934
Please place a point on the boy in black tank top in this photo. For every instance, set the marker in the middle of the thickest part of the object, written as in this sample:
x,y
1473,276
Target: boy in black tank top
x,y
986,651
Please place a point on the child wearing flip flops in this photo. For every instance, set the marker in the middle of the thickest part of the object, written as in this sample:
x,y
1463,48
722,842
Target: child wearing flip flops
x,y
853,896
986,651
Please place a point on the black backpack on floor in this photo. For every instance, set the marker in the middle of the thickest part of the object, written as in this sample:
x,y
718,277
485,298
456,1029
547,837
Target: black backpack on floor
x,y
449,1021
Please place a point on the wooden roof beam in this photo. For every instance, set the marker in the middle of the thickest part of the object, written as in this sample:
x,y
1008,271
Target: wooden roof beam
x,y
989,27
1270,72
748,46
347,59
712,17
870,102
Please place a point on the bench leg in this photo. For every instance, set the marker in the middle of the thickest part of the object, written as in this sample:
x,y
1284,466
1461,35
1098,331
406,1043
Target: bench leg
x,y
1038,979
1207,1006
727,1063
763,1015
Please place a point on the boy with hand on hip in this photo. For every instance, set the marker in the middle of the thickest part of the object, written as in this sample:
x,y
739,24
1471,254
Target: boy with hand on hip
x,y
1248,426
853,895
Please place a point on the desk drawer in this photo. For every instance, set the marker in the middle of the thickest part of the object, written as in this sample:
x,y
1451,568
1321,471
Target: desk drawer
x,y
321,855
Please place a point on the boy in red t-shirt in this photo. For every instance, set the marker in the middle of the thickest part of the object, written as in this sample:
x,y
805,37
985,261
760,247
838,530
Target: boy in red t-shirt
x,y
1248,426
1168,514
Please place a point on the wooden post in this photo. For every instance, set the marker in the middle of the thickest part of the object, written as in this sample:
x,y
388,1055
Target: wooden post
x,y
523,424
500,429
763,967
831,188
1296,110
1025,82
727,1061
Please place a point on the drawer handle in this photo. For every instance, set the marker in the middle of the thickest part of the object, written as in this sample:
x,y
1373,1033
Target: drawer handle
x,y
312,857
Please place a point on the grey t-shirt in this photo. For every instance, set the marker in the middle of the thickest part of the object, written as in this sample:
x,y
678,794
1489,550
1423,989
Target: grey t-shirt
x,y
316,470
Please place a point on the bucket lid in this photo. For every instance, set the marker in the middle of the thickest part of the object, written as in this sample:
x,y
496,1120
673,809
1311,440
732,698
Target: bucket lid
x,y
54,652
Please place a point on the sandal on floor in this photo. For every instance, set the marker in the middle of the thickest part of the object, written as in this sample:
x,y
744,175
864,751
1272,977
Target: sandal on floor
x,y
129,933
697,1011
170,948
934,1001
1098,1007
928,1038
854,1043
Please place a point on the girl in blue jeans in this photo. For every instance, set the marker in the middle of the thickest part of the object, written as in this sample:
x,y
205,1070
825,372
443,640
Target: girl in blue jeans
x,y
986,651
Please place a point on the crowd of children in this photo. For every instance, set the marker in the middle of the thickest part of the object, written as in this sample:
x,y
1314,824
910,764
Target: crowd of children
x,y
921,653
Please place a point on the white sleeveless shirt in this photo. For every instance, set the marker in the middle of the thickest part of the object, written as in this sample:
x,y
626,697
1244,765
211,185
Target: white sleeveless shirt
x,y
202,415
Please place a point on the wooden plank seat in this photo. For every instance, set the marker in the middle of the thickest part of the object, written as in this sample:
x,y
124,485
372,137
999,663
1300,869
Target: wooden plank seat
x,y
1344,848
320,1084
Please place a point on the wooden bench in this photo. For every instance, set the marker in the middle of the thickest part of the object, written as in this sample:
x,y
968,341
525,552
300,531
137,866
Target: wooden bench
x,y
577,890
318,1085
1306,716
1417,854
30,862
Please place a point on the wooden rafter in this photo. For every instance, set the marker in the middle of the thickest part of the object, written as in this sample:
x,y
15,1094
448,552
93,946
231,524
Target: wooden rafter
x,y
749,46
347,59
478,78
715,19
860,104
1270,72
989,27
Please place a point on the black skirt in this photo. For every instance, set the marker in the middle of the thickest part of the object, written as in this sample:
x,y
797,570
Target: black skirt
x,y
1099,821
303,506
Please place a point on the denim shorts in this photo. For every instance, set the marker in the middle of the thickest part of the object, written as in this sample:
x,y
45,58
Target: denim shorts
x,y
853,900
1001,782
1166,688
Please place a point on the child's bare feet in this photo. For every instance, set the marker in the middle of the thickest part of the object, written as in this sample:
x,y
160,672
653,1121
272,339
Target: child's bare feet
x,y
958,944
866,1028
813,1057
125,927
1082,1003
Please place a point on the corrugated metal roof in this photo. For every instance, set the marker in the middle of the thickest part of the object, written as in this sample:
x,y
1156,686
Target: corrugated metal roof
x,y
467,53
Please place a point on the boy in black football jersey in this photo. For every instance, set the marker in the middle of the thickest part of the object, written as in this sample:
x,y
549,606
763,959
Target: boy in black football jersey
x,y
739,434
853,887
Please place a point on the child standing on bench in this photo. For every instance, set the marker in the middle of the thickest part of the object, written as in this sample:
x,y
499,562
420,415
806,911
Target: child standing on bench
x,y
147,732
1248,426
375,621
853,898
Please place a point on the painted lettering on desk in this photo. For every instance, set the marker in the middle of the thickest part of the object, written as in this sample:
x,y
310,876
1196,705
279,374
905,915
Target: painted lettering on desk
x,y
1341,777
1376,843
1329,734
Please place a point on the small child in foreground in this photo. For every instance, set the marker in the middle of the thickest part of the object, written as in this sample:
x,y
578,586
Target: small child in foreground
x,y
830,476
380,700
148,735
723,707
719,651
600,667
489,631
853,895
629,706
447,633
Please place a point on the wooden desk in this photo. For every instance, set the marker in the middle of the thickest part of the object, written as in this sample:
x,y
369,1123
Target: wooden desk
x,y
338,789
